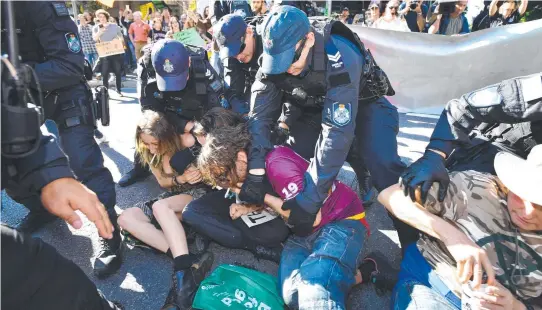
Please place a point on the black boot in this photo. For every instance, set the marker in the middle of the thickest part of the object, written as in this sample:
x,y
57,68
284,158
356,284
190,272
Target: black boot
x,y
35,220
186,283
375,268
133,176
109,257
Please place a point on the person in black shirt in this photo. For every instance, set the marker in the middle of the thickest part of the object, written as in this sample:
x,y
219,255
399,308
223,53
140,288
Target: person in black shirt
x,y
508,13
156,32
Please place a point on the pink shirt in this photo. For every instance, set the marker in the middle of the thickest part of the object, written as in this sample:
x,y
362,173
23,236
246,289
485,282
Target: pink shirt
x,y
139,31
286,169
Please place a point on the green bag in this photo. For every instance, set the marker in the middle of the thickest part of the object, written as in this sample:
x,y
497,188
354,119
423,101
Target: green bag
x,y
235,287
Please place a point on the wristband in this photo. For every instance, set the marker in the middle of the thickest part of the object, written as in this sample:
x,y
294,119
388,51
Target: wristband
x,y
175,181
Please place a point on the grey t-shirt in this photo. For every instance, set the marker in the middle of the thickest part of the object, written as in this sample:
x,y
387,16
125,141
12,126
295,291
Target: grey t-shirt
x,y
112,31
454,25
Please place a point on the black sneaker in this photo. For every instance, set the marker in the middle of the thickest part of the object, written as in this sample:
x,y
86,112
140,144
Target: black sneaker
x,y
133,176
186,283
269,253
109,257
379,271
35,220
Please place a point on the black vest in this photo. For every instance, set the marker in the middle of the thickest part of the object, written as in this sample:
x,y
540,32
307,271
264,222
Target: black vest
x,y
310,89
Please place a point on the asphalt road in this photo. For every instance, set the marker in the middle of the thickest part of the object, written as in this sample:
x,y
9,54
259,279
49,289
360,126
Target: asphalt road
x,y
144,278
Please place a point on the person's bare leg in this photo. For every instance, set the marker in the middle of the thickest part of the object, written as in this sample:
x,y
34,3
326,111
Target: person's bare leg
x,y
134,221
165,213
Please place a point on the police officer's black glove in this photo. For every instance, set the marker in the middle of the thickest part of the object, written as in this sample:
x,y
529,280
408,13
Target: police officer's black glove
x,y
254,189
424,172
280,135
181,160
300,220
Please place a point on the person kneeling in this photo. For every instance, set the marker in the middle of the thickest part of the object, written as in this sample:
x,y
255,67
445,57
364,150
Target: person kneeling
x,y
485,224
158,225
314,270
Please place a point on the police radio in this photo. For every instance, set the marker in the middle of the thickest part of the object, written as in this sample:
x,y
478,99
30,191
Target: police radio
x,y
22,114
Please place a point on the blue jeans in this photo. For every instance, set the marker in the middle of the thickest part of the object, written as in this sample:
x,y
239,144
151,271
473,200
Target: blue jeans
x,y
130,58
420,287
317,272
92,58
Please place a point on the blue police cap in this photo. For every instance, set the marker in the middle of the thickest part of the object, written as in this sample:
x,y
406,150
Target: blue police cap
x,y
283,27
228,33
170,60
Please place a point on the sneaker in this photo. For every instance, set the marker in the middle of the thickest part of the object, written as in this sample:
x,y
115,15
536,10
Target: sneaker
x,y
35,220
379,271
133,242
185,283
268,253
109,257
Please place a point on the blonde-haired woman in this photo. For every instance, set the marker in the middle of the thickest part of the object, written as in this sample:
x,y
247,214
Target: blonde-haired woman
x,y
158,223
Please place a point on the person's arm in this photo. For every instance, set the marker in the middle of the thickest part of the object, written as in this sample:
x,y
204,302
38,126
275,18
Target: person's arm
x,y
435,26
493,8
434,219
97,32
404,7
64,64
338,124
523,7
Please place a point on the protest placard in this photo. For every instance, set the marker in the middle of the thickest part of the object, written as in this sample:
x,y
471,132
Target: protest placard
x,y
189,36
113,47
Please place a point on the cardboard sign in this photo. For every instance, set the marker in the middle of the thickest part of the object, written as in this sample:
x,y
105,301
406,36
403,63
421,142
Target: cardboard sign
x,y
113,47
189,36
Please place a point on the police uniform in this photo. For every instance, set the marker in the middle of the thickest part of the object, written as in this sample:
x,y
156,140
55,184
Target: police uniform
x,y
204,90
34,274
506,116
345,84
471,130
49,42
225,7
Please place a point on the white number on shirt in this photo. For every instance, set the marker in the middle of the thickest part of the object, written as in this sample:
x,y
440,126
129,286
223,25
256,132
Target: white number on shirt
x,y
290,191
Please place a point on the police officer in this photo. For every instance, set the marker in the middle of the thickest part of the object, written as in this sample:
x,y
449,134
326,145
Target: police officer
x,y
224,7
34,274
506,116
326,67
240,47
49,43
181,103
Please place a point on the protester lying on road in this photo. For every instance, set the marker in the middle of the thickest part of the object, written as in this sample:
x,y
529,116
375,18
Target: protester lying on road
x,y
158,224
315,269
486,226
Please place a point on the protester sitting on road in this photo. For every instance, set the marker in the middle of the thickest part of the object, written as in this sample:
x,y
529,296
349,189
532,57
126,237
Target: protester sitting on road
x,y
508,13
485,224
315,269
391,20
158,224
448,19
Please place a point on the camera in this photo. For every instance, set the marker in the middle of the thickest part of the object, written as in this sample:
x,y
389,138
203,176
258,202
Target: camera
x,y
413,5
446,8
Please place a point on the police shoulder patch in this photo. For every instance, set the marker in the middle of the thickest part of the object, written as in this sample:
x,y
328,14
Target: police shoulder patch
x,y
74,45
342,113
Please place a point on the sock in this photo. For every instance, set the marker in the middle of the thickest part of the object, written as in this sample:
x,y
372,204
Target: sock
x,y
182,262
